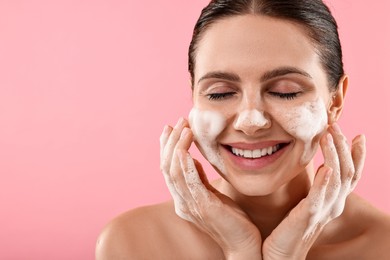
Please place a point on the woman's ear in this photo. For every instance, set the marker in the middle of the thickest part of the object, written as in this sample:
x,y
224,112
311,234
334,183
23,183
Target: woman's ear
x,y
336,103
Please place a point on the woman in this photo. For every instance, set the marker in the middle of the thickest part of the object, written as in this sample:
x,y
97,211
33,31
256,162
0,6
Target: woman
x,y
268,88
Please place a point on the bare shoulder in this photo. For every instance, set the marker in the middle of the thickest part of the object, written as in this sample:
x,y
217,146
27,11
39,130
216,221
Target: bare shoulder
x,y
132,235
150,232
371,220
361,232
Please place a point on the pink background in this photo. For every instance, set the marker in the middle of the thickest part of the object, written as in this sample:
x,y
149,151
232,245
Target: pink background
x,y
85,89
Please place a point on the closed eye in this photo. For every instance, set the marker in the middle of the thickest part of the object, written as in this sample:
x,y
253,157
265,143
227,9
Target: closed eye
x,y
219,96
288,96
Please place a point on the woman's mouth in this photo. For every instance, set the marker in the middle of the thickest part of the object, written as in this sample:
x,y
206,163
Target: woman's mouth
x,y
253,158
257,153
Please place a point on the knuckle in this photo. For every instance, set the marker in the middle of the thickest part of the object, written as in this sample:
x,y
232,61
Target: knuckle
x,y
350,174
343,139
164,165
356,176
174,178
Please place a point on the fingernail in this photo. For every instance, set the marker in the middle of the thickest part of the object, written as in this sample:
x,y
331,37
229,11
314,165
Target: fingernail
x,y
336,128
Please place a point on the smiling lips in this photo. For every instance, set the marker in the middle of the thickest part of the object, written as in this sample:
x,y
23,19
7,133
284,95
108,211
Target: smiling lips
x,y
255,156
257,153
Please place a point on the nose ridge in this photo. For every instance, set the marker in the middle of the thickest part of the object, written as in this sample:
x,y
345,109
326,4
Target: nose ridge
x,y
249,121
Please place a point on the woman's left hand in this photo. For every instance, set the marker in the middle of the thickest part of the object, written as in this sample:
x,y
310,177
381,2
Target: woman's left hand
x,y
334,181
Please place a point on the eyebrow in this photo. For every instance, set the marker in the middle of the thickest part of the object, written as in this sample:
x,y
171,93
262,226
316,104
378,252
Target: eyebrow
x,y
221,75
282,72
278,72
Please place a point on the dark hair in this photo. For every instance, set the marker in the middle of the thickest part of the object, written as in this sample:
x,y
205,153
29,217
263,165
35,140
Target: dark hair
x,y
313,15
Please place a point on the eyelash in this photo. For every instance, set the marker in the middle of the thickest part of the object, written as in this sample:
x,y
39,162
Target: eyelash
x,y
219,96
288,96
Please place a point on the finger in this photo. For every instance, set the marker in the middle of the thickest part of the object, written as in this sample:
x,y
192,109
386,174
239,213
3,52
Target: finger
x,y
167,142
316,201
181,186
180,205
358,151
185,139
317,193
347,168
331,160
176,171
168,149
198,190
164,138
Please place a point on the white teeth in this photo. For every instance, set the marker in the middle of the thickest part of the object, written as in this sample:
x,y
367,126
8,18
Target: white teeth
x,y
255,153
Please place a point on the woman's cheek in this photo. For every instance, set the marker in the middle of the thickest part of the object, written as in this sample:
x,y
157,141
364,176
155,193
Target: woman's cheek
x,y
206,126
306,123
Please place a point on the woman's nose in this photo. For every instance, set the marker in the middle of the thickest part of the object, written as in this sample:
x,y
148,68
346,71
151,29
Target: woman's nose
x,y
250,121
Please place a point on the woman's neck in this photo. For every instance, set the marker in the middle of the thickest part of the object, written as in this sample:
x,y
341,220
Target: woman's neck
x,y
268,211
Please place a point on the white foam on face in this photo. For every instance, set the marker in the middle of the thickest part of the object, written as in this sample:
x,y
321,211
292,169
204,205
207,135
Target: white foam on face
x,y
305,122
206,126
250,118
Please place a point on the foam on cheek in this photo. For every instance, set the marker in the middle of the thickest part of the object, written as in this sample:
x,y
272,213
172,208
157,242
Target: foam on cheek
x,y
206,126
305,122
249,118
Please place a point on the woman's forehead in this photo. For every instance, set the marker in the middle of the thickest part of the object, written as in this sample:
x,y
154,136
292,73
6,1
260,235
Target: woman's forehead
x,y
251,42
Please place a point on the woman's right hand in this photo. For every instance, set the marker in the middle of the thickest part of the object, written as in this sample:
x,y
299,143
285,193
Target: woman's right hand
x,y
197,201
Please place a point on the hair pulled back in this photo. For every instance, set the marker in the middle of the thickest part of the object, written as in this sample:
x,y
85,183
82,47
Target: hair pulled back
x,y
313,15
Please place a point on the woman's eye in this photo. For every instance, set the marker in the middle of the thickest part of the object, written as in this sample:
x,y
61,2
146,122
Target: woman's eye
x,y
288,96
218,96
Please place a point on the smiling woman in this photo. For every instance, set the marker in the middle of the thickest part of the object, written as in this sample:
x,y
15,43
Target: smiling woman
x,y
268,88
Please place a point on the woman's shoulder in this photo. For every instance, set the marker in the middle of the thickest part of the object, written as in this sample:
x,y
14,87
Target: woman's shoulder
x,y
354,232
149,232
371,220
133,233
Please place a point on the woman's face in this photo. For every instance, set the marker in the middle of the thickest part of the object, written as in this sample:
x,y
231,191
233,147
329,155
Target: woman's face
x,y
260,101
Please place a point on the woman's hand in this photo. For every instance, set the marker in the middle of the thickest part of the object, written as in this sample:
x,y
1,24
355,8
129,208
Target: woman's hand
x,y
197,201
334,181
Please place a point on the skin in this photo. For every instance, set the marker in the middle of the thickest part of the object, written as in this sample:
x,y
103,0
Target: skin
x,y
286,210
